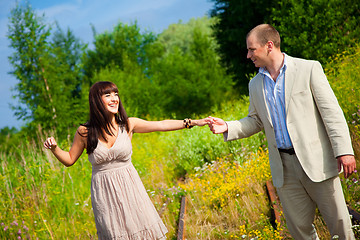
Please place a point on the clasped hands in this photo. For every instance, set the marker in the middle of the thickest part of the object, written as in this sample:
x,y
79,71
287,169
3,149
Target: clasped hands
x,y
216,125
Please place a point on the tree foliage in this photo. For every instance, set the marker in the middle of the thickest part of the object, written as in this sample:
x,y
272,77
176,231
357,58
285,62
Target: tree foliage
x,y
315,29
5,134
124,43
123,56
48,71
174,74
181,35
192,77
235,19
161,76
28,35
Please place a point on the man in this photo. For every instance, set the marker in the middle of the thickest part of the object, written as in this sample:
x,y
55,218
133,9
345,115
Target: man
x,y
308,138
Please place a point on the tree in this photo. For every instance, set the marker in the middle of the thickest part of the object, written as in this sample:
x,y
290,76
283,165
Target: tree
x,y
63,71
193,80
124,56
235,19
7,140
317,29
175,74
44,69
111,48
181,35
28,35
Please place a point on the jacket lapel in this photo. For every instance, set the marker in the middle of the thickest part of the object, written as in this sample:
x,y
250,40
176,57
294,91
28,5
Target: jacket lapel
x,y
262,98
290,76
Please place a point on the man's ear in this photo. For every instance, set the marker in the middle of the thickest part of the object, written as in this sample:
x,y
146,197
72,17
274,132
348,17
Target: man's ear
x,y
270,46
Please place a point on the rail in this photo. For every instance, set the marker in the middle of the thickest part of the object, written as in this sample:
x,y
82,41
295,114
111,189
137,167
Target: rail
x,y
181,227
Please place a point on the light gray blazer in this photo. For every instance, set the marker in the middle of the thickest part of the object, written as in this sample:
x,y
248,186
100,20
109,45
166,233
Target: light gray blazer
x,y
315,121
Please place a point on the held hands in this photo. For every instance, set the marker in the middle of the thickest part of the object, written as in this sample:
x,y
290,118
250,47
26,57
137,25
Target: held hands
x,y
50,143
348,163
217,125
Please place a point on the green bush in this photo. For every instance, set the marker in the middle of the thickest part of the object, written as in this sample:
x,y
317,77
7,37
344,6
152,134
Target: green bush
x,y
316,29
343,73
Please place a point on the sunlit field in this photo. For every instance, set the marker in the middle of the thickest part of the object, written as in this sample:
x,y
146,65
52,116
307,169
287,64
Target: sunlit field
x,y
224,183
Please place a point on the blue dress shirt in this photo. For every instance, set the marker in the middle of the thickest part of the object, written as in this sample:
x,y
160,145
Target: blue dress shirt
x,y
275,99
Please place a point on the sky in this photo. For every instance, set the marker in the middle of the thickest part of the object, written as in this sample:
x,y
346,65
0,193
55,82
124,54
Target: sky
x,y
79,15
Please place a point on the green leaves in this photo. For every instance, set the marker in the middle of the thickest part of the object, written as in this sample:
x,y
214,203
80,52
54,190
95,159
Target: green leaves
x,y
111,49
315,29
28,35
177,73
174,74
235,20
48,71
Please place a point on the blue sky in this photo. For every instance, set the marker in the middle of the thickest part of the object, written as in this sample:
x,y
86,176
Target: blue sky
x,y
153,15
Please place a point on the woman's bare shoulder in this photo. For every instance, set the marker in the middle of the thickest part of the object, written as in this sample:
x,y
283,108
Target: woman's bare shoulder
x,y
132,121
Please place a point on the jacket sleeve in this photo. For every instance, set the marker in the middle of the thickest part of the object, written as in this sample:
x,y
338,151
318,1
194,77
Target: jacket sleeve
x,y
244,127
330,111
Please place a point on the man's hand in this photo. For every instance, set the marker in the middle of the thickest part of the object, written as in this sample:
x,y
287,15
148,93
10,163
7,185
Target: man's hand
x,y
217,125
348,163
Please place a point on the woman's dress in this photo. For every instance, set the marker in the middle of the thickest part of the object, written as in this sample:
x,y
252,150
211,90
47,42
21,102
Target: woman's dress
x,y
122,207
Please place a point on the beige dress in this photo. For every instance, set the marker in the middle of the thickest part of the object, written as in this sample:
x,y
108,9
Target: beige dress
x,y
121,205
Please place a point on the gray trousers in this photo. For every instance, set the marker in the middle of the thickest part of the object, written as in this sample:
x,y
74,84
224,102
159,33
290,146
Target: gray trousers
x,y
300,196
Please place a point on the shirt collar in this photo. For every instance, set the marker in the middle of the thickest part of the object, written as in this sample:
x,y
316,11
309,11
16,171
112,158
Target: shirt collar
x,y
264,71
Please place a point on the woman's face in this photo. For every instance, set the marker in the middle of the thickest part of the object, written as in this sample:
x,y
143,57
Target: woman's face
x,y
111,102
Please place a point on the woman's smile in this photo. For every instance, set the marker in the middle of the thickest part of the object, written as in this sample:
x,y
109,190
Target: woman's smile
x,y
111,101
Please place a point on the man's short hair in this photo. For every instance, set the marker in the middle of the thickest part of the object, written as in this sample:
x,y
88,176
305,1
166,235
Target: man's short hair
x,y
265,33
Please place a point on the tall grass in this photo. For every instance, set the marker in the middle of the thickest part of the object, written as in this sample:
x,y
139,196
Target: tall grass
x,y
343,72
228,200
163,159
223,182
41,199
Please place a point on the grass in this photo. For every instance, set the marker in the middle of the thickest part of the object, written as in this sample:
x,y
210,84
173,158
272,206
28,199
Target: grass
x,y
224,186
40,199
228,200
224,183
343,71
176,153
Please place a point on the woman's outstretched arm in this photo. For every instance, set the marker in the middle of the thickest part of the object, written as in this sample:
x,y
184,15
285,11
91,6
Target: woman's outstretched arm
x,y
138,125
77,148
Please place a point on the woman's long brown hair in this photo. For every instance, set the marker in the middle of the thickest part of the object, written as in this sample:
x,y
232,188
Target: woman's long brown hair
x,y
99,121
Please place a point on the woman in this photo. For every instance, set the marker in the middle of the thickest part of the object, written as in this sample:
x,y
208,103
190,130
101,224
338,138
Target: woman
x,y
121,206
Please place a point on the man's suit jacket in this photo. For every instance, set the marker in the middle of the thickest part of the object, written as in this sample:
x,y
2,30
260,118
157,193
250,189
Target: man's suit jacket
x,y
315,121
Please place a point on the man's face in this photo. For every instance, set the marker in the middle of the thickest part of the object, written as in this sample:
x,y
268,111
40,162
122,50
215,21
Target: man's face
x,y
257,53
